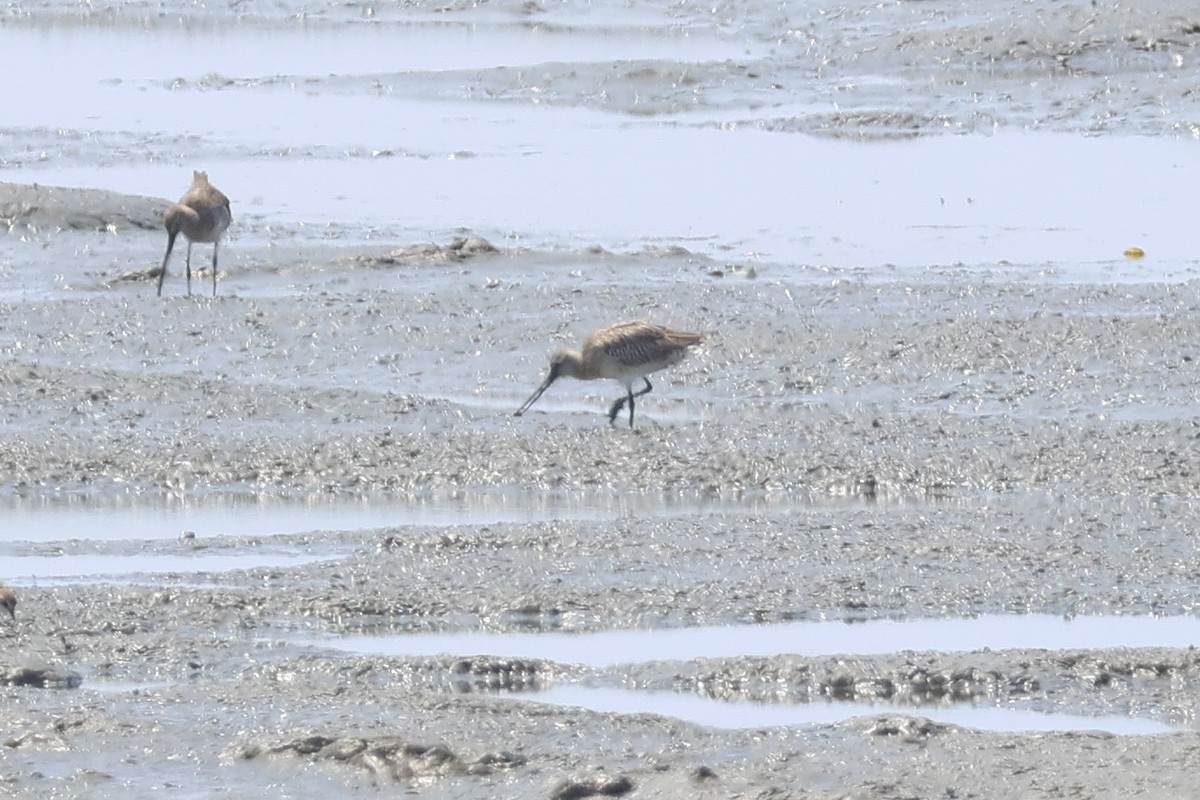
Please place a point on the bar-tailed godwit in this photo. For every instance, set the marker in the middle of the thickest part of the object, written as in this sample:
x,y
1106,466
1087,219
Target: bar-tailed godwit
x,y
8,601
201,215
623,352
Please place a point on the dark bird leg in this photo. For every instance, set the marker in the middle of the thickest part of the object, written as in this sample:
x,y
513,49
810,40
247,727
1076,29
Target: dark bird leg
x,y
189,267
620,403
215,246
163,272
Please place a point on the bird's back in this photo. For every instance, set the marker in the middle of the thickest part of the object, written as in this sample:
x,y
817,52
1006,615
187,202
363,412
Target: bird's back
x,y
212,215
637,348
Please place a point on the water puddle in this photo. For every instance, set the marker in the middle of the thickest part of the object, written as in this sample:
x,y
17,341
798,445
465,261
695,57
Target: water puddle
x,y
252,105
167,53
742,715
89,566
612,648
933,201
938,201
41,519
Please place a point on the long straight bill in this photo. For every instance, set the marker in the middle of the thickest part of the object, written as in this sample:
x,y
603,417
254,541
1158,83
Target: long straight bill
x,y
545,385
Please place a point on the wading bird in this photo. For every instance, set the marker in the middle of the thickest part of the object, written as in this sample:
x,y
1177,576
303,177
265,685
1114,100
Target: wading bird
x,y
201,215
623,352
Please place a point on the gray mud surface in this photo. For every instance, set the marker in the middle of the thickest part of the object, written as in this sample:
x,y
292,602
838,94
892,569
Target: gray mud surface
x,y
850,444
980,446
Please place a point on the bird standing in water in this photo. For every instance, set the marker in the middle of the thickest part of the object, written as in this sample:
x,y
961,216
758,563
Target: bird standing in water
x,y
623,352
201,215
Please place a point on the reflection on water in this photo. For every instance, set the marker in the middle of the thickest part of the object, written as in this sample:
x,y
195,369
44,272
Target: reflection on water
x,y
53,569
610,648
915,193
190,54
720,714
42,519
307,125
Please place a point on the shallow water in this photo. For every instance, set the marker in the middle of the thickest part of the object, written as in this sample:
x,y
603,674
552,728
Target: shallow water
x,y
931,202
52,570
147,54
724,714
110,519
300,130
611,648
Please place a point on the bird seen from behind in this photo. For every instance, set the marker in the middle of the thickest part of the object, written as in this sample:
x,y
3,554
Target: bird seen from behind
x,y
201,215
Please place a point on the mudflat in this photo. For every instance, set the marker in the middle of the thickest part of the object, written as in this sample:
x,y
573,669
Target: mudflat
x,y
840,450
855,444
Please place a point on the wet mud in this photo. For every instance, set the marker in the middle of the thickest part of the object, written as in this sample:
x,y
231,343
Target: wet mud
x,y
853,442
979,447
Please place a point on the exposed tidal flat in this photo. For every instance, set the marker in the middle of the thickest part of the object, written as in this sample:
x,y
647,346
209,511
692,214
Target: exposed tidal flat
x,y
916,520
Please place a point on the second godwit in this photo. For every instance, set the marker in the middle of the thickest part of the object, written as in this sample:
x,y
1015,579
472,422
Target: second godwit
x,y
623,352
201,215
8,601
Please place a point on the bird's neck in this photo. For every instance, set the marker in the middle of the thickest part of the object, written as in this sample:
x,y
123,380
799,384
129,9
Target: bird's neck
x,y
572,366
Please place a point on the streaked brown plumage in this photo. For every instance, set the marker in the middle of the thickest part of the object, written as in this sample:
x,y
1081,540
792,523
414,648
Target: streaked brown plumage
x,y
623,352
8,601
201,215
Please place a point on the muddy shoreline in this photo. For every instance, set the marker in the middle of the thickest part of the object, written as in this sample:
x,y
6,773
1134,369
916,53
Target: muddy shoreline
x,y
981,448
871,433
